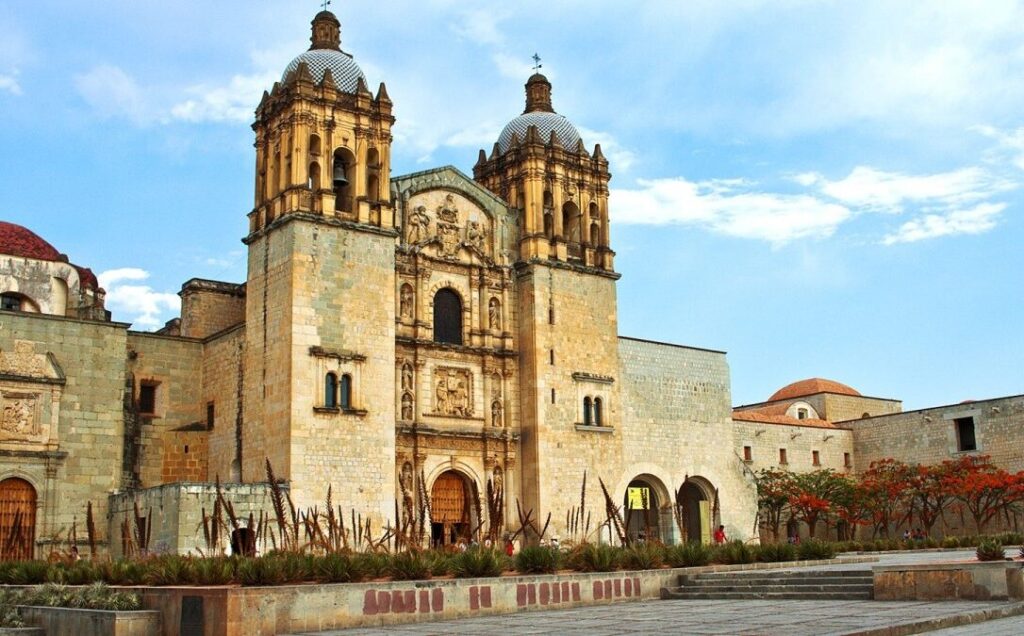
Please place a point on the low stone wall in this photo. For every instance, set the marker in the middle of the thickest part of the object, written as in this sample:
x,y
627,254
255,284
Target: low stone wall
x,y
238,611
983,581
84,622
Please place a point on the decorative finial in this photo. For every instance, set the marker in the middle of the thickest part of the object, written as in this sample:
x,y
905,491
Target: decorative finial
x,y
325,4
536,63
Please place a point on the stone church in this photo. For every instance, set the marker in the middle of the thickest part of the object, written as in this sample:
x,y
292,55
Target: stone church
x,y
397,338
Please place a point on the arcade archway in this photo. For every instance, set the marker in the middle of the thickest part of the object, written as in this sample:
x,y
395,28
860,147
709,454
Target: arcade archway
x,y
644,510
695,508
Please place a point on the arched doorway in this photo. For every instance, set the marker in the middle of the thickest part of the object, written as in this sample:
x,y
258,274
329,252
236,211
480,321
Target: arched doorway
x,y
642,511
450,509
17,519
695,510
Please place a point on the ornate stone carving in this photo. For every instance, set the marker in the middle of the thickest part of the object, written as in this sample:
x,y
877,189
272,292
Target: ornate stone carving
x,y
18,415
405,301
418,226
407,411
23,361
494,314
497,411
447,211
407,377
476,235
453,392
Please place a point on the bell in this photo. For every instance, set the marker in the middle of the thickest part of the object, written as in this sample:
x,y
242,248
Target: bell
x,y
339,175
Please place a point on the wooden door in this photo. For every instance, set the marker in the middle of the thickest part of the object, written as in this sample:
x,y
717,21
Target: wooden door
x,y
448,499
17,519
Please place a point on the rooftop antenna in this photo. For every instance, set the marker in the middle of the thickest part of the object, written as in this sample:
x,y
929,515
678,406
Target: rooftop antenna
x,y
536,63
324,4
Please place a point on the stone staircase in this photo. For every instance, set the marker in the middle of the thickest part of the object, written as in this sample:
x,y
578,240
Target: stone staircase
x,y
779,584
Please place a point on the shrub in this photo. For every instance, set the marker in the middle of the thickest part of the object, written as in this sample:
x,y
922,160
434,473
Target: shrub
x,y
812,549
733,553
855,546
27,573
123,572
930,543
594,557
260,571
538,560
970,541
440,562
9,616
95,596
1011,538
409,566
643,556
213,571
78,573
373,564
479,562
688,555
951,542
775,552
169,570
339,568
990,550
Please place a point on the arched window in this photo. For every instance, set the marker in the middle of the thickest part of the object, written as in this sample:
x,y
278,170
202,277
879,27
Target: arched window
x,y
13,301
595,235
314,176
331,391
571,222
314,144
549,225
598,418
587,414
346,391
549,201
447,317
372,175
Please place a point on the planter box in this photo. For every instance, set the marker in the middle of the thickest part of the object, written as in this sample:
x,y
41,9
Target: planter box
x,y
983,581
85,622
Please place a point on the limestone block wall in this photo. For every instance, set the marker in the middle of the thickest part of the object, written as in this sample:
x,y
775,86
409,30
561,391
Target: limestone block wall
x,y
53,287
174,365
223,391
568,349
185,456
676,422
342,321
176,514
208,307
87,461
766,440
929,436
838,408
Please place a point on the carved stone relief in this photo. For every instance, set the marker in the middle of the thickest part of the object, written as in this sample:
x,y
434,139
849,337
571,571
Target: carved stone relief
x,y
407,377
23,361
18,418
405,302
497,414
453,392
494,314
418,227
407,411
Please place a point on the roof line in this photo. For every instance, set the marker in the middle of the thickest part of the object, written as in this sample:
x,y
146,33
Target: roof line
x,y
672,344
935,408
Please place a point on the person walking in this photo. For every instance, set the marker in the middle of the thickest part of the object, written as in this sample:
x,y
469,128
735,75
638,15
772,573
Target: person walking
x,y
720,535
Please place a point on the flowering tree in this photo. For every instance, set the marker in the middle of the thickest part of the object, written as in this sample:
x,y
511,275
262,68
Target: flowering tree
x,y
850,504
985,489
812,496
774,488
884,489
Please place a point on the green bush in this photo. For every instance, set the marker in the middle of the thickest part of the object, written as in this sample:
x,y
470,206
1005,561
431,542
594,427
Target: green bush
x,y
374,565
124,572
9,617
538,560
990,550
77,573
930,543
812,549
643,556
213,571
776,552
440,562
169,569
95,596
733,553
261,571
409,566
476,562
1011,538
688,555
970,541
951,542
595,557
339,568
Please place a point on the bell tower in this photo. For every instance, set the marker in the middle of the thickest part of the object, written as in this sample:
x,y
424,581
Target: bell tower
x,y
320,316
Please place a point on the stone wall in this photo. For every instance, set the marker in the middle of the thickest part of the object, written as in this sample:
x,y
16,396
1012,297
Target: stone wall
x,y
766,440
209,307
839,407
677,423
223,392
75,371
185,456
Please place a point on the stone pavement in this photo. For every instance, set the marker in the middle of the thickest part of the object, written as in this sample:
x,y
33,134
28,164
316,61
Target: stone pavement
x,y
736,617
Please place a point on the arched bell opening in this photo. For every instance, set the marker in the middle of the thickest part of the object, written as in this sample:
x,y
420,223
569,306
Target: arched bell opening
x,y
342,169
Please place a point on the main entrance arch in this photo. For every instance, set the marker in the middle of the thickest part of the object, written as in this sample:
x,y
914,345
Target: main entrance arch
x,y
17,519
642,508
450,509
694,501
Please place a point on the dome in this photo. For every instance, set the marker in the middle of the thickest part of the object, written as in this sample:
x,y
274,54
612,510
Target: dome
x,y
22,242
344,69
545,122
810,387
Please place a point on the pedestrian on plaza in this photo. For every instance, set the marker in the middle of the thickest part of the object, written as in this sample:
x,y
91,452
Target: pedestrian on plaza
x,y
510,548
720,535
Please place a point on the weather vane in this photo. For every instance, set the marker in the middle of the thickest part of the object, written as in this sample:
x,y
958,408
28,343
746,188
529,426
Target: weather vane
x,y
536,63
324,4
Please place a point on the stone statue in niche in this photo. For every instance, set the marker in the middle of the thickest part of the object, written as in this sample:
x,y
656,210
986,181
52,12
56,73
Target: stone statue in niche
x,y
407,406
418,226
453,391
18,415
447,211
499,479
496,414
405,481
407,377
405,302
494,314
476,235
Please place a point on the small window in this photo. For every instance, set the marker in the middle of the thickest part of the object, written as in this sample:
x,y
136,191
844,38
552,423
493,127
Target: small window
x,y
147,399
846,460
801,414
598,416
551,356
815,458
782,456
331,391
748,454
447,317
10,302
346,391
551,315
965,434
210,412
587,413
552,396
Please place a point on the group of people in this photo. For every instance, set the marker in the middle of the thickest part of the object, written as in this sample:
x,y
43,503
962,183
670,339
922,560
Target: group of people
x,y
916,535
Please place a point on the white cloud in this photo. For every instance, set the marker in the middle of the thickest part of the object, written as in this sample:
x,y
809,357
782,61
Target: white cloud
x,y
9,82
730,207
481,26
232,103
1009,144
620,159
873,189
145,308
976,220
114,93
514,67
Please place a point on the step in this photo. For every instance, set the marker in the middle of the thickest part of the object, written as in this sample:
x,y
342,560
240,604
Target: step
x,y
825,580
677,593
787,573
766,589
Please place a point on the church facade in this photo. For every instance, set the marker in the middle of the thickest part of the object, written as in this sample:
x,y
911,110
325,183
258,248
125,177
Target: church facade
x,y
398,338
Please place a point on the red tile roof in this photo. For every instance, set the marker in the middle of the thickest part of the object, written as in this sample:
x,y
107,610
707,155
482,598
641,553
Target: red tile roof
x,y
767,418
16,240
811,386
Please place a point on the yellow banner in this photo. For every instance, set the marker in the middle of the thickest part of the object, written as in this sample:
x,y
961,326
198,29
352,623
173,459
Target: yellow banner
x,y
639,498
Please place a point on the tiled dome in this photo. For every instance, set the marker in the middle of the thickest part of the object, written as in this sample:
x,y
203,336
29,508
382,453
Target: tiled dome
x,y
811,386
545,123
344,69
22,242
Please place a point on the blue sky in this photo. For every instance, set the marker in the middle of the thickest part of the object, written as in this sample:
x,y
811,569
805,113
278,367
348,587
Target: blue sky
x,y
820,188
